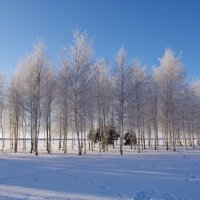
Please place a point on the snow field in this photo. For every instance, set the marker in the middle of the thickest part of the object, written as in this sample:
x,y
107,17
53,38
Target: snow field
x,y
107,175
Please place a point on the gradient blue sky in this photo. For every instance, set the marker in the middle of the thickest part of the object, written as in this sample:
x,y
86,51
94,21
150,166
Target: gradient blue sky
x,y
144,27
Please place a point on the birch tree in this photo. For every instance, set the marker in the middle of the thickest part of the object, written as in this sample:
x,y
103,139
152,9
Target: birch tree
x,y
63,100
33,68
194,113
170,77
122,76
2,108
102,100
49,96
137,103
15,109
80,73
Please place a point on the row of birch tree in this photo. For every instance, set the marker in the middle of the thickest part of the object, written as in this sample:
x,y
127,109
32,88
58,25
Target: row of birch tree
x,y
83,97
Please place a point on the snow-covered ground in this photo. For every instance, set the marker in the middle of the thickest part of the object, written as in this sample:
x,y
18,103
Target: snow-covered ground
x,y
107,175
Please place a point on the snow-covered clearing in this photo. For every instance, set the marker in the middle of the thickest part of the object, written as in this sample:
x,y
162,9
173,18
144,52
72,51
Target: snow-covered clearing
x,y
149,175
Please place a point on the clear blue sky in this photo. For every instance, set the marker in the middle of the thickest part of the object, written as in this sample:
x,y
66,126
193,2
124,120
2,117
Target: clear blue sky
x,y
144,27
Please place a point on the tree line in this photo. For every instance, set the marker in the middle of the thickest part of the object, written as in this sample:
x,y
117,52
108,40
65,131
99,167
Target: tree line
x,y
97,103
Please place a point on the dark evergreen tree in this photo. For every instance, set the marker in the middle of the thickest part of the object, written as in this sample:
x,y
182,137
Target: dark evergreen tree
x,y
112,135
127,139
